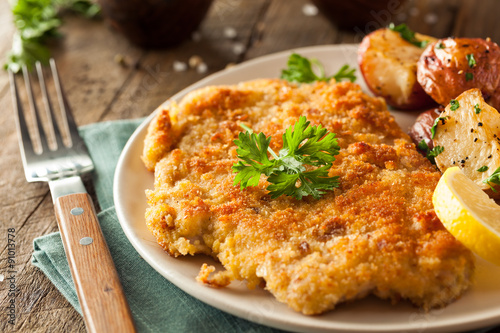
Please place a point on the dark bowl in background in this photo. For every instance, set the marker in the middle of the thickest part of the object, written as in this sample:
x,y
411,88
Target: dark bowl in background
x,y
366,15
155,23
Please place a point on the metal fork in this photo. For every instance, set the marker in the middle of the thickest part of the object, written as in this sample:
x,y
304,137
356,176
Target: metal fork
x,y
100,293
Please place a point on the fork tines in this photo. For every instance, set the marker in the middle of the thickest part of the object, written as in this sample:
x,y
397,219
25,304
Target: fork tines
x,y
62,160
40,135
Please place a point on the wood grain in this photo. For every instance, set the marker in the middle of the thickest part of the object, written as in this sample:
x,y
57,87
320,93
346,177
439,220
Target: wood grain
x,y
100,293
99,88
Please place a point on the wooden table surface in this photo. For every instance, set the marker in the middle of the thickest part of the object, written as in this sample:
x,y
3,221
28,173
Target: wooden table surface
x,y
100,88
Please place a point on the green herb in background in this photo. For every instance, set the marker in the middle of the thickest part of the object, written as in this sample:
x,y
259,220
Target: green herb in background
x,y
300,69
286,171
36,21
494,178
408,34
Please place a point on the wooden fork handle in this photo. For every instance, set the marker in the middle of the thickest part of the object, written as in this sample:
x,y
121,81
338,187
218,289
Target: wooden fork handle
x,y
101,296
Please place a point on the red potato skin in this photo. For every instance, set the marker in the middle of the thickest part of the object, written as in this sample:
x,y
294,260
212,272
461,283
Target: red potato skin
x,y
421,130
442,71
418,99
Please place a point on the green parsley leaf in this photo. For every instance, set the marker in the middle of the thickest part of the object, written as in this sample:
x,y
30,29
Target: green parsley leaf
x,y
483,168
422,145
302,145
440,46
494,178
434,152
470,60
408,34
434,126
345,72
37,21
477,109
430,154
454,105
469,76
300,69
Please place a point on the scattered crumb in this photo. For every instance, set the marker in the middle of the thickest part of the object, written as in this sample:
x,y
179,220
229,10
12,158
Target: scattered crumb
x,y
179,66
202,68
310,10
120,60
231,64
195,61
238,48
230,33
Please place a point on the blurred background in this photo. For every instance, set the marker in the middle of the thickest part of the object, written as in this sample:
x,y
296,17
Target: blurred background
x,y
133,55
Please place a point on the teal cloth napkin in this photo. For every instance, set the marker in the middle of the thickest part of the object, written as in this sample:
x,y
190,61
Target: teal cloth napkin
x,y
157,305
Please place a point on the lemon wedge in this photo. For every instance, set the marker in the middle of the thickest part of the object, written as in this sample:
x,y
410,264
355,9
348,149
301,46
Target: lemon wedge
x,y
468,214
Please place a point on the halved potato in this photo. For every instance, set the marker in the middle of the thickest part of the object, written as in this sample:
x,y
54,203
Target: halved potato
x,y
389,65
451,66
470,136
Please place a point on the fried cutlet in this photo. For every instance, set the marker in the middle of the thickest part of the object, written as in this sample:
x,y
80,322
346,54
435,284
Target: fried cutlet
x,y
375,234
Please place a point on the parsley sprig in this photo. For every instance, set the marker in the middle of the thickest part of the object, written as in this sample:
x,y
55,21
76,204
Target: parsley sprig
x,y
300,69
494,178
302,145
408,34
36,21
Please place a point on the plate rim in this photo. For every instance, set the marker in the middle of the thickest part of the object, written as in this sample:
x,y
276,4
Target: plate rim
x,y
441,326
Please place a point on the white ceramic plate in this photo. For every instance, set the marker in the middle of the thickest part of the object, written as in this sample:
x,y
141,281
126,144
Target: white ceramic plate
x,y
479,307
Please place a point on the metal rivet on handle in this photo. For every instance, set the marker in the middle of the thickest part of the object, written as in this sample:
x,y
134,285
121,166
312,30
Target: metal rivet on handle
x,y
86,240
76,211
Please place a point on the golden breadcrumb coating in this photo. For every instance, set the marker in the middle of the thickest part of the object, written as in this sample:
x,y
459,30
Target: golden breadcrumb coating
x,y
376,234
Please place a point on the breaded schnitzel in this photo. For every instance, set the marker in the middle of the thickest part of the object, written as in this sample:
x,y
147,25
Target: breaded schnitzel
x,y
377,233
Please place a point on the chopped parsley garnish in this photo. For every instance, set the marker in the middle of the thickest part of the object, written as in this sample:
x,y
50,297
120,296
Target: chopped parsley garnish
x,y
494,178
434,126
300,69
454,105
422,145
36,21
430,153
408,34
477,109
483,168
470,60
469,76
440,46
302,145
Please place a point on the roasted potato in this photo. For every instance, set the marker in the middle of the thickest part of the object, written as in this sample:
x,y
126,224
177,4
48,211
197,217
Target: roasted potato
x,y
451,66
421,130
389,65
469,132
